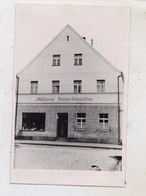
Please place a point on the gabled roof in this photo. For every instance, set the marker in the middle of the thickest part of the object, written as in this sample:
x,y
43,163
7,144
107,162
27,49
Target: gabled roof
x,y
91,47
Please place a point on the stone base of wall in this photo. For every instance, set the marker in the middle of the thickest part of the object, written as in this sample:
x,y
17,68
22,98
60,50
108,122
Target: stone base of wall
x,y
83,140
92,133
35,138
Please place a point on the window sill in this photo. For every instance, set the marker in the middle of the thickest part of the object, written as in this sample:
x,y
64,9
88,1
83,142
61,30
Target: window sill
x,y
103,130
80,129
27,130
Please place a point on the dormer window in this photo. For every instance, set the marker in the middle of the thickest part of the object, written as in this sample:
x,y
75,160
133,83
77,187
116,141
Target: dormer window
x,y
56,60
77,59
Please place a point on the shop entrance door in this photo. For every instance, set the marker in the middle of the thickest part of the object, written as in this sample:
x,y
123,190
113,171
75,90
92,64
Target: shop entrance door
x,y
62,125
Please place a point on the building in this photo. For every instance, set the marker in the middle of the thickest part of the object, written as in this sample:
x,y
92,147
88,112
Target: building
x,y
69,92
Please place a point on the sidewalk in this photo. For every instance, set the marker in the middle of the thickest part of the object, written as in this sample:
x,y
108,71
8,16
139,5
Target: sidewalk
x,y
70,144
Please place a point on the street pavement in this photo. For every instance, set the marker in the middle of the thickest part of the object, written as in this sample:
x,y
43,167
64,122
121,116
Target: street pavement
x,y
66,157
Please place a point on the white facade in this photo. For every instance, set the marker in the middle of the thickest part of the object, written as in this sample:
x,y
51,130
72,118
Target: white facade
x,y
94,67
70,83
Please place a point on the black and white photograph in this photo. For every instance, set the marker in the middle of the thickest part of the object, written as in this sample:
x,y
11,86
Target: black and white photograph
x,y
70,94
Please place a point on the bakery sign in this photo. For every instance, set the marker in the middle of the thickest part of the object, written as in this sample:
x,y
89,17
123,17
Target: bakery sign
x,y
67,98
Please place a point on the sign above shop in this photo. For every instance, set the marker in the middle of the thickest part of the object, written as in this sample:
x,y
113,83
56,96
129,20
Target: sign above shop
x,y
68,98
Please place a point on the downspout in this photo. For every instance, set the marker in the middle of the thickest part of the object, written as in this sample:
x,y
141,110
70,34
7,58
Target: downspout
x,y
16,109
119,110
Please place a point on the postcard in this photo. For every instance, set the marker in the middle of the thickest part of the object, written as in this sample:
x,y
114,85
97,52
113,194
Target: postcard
x,y
70,94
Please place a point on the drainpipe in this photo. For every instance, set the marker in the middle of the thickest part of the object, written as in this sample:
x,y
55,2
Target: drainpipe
x,y
17,89
119,110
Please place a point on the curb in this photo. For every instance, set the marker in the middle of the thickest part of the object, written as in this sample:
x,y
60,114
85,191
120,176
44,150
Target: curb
x,y
70,144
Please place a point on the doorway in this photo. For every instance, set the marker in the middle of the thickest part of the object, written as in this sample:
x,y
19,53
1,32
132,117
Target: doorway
x,y
62,125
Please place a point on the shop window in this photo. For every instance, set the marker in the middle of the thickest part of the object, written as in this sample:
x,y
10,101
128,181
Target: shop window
x,y
77,59
34,87
77,86
55,86
103,120
56,60
33,121
100,86
81,120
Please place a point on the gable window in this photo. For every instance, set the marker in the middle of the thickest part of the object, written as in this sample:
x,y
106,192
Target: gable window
x,y
77,59
103,120
55,86
67,37
33,121
100,86
34,87
56,60
81,120
77,86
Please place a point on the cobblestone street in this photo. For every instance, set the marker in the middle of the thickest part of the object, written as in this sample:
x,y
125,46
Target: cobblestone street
x,y
66,158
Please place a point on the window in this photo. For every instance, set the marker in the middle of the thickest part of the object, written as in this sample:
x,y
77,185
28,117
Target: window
x,y
77,86
103,120
67,37
33,121
55,86
34,87
100,86
81,120
77,59
56,60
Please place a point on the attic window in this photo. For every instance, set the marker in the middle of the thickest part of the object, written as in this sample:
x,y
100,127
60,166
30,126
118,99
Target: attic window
x,y
67,37
56,60
77,59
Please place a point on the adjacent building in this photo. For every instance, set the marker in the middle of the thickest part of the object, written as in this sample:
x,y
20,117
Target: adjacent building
x,y
69,92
